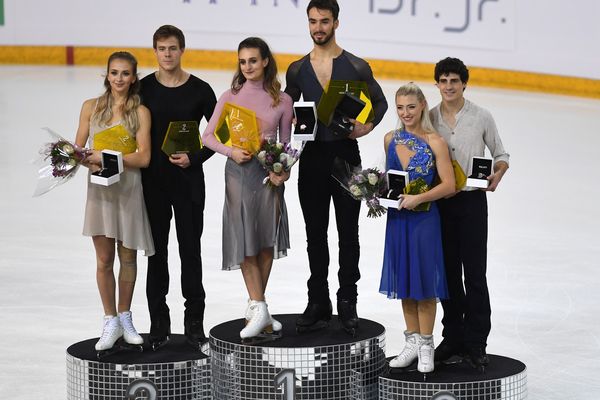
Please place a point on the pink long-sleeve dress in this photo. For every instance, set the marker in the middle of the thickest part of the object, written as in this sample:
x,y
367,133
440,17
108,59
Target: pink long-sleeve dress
x,y
254,215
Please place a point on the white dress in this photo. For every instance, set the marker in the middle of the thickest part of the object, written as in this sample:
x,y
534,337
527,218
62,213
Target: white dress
x,y
118,211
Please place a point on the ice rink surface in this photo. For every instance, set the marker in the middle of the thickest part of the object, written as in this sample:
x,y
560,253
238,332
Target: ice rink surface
x,y
543,261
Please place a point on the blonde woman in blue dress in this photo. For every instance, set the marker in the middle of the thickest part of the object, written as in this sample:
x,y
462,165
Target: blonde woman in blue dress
x,y
115,215
413,264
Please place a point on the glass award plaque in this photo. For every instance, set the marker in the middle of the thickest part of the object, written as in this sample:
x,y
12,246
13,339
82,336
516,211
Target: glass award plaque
x,y
460,179
116,138
238,127
182,137
418,186
344,100
481,168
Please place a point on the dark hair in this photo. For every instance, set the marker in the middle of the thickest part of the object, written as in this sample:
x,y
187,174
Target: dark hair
x,y
167,31
330,5
103,112
270,82
451,65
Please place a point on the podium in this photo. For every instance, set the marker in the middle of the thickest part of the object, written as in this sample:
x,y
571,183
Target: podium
x,y
174,371
324,364
504,378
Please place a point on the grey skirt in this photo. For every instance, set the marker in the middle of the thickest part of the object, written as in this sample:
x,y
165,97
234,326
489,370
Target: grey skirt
x,y
254,215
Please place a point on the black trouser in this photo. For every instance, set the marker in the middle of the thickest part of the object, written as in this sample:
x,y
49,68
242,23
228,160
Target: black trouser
x,y
189,224
464,236
316,189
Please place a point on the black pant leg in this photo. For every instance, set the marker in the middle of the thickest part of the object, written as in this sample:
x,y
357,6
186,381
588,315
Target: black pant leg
x,y
464,235
157,280
314,185
454,306
474,230
347,211
189,223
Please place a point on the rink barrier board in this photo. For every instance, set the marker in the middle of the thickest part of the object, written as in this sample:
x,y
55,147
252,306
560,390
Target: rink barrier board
x,y
383,69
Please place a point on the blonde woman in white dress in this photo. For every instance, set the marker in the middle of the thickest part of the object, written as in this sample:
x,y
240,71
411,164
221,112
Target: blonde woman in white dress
x,y
115,215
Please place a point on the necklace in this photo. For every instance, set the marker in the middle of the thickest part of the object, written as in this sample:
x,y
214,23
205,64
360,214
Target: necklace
x,y
175,83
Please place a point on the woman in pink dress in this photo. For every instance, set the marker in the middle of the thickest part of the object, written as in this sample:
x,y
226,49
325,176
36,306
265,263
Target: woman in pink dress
x,y
255,226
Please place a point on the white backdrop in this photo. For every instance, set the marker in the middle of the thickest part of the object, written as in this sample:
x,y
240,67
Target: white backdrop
x,y
548,36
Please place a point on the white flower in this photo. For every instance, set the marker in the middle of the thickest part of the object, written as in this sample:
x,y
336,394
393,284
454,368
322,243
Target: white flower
x,y
261,156
283,158
67,148
290,160
279,146
373,179
355,190
277,167
72,162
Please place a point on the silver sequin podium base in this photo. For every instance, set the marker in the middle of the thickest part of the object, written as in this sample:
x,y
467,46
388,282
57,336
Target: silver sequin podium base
x,y
504,378
175,371
325,364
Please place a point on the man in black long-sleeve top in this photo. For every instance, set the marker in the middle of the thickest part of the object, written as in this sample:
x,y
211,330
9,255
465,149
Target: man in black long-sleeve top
x,y
316,186
175,184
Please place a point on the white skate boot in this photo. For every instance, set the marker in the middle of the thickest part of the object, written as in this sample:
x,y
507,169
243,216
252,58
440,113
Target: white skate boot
x,y
111,332
129,333
409,354
275,325
426,354
259,327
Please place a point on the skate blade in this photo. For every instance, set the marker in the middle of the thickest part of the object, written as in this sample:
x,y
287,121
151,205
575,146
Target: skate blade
x,y
351,331
262,338
132,347
100,354
401,370
197,345
158,344
478,368
118,347
454,360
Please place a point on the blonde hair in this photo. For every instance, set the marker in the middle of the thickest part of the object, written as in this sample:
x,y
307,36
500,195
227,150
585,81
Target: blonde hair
x,y
103,113
410,89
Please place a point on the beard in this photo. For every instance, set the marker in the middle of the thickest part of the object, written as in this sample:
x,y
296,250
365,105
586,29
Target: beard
x,y
326,38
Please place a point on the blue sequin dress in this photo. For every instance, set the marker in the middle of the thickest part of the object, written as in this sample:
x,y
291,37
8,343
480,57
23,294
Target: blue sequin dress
x,y
413,261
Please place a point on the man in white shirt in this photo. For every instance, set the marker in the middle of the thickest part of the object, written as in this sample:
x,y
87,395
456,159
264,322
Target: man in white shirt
x,y
468,130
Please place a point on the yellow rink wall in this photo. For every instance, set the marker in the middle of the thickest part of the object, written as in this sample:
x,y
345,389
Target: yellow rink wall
x,y
224,60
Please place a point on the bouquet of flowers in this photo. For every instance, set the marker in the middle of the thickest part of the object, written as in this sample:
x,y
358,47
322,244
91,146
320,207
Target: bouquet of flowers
x,y
277,157
60,161
367,185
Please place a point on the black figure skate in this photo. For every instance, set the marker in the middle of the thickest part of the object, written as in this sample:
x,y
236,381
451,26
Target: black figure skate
x,y
194,334
315,317
347,316
477,358
160,330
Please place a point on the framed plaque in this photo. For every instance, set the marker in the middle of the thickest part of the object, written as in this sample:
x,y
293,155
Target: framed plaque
x,y
182,137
